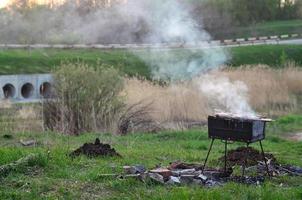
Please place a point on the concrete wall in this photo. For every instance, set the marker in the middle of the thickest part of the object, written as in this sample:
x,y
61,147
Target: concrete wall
x,y
25,87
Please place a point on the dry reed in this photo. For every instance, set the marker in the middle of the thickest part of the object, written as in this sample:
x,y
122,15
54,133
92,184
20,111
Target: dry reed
x,y
271,92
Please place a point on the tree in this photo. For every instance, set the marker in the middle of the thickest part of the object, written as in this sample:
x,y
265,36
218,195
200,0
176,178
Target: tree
x,y
299,8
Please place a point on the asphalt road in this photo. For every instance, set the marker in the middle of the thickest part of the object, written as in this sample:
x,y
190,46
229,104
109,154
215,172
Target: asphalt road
x,y
153,46
293,41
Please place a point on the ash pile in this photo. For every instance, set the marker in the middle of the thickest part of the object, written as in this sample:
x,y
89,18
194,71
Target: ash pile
x,y
180,173
247,156
252,159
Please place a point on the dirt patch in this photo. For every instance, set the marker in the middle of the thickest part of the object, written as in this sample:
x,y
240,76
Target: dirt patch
x,y
296,137
96,149
247,156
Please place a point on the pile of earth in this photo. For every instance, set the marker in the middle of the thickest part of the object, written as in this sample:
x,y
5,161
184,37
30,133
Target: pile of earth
x,y
96,149
247,156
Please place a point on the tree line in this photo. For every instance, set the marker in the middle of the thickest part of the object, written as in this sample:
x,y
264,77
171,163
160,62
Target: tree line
x,y
213,12
25,20
245,12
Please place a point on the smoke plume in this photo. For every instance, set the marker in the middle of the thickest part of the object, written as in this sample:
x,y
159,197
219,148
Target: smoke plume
x,y
225,95
171,22
147,21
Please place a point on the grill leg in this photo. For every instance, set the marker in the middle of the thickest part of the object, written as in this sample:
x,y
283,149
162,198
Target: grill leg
x,y
263,155
205,162
225,156
245,161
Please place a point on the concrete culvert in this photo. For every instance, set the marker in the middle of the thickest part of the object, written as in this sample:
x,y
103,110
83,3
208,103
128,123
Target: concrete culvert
x,y
9,91
27,90
45,90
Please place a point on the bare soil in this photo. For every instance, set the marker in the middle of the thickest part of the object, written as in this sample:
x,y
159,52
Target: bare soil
x,y
247,156
96,149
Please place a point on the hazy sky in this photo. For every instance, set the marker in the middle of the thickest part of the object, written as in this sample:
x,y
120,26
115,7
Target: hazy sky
x,y
3,3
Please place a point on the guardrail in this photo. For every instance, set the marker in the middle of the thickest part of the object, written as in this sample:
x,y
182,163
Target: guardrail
x,y
262,39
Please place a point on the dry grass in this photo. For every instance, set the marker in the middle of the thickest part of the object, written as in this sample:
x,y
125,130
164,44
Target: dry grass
x,y
171,105
271,92
20,118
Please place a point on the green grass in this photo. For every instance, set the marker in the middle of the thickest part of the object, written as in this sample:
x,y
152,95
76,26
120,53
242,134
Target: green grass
x,y
43,61
286,125
66,178
262,29
265,54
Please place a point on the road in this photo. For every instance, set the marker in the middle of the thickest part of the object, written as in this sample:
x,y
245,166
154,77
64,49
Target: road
x,y
293,41
154,46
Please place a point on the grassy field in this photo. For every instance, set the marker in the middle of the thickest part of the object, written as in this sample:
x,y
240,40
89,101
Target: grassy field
x,y
266,54
263,29
41,61
57,176
286,125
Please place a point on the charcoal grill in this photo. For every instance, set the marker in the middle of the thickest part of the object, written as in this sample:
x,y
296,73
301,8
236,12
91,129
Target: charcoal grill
x,y
231,128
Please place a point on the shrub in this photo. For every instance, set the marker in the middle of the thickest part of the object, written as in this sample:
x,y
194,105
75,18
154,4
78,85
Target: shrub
x,y
137,118
86,99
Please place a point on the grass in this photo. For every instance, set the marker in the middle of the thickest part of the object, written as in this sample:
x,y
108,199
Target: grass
x,y
66,178
262,29
266,54
287,125
43,61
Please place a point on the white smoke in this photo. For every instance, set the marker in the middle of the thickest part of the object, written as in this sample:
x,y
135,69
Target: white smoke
x,y
225,95
171,22
143,21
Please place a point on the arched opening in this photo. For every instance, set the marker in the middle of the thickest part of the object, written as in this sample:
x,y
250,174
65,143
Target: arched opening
x,y
9,91
46,90
27,90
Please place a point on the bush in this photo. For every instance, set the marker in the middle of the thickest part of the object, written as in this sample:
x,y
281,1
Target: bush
x,y
86,99
137,118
